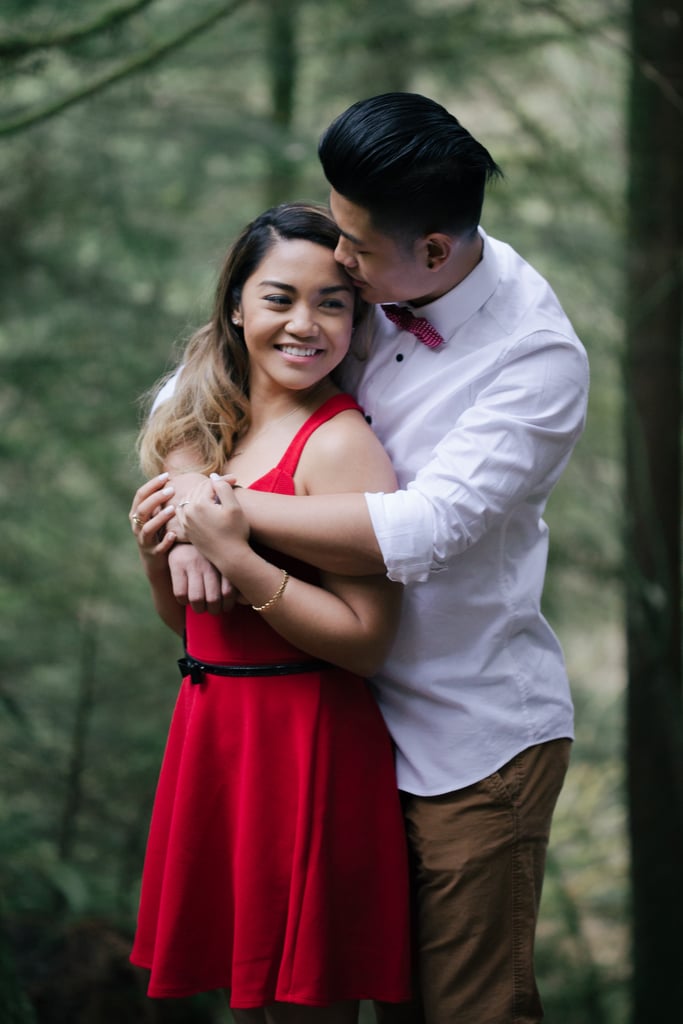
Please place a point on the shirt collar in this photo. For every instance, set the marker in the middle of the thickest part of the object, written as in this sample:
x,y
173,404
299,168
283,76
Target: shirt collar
x,y
452,310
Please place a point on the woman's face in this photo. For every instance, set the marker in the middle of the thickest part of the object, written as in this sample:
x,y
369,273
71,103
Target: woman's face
x,y
297,315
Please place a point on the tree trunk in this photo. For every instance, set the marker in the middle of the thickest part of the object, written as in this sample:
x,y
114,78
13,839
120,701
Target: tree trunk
x,y
653,505
78,759
282,57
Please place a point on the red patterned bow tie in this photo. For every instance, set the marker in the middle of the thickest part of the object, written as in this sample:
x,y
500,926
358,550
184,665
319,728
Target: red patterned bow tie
x,y
416,325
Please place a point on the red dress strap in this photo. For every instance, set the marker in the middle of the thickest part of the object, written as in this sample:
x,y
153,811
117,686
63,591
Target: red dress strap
x,y
327,411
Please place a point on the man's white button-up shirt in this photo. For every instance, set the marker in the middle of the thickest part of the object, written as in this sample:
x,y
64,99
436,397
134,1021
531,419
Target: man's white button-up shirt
x,y
478,431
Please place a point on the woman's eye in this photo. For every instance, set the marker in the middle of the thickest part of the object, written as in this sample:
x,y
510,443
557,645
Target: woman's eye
x,y
333,304
278,300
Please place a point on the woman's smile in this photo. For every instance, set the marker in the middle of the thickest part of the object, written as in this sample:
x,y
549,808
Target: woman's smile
x,y
298,351
297,310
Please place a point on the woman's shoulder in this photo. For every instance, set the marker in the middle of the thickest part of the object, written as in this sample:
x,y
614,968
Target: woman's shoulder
x,y
344,454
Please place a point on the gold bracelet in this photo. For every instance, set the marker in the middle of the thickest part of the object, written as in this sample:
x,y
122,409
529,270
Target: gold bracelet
x,y
276,596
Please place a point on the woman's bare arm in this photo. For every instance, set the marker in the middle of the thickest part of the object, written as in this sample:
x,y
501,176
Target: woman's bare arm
x,y
349,621
149,517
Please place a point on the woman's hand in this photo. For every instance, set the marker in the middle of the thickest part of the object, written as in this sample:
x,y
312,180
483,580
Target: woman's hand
x,y
149,518
214,523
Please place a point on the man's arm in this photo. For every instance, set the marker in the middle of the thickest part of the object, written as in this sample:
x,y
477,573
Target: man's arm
x,y
512,442
331,531
328,524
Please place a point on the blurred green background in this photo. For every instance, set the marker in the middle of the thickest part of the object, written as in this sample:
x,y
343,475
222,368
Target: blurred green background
x,y
132,148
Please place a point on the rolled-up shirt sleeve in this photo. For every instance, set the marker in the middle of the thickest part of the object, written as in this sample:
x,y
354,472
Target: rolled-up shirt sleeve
x,y
404,525
509,446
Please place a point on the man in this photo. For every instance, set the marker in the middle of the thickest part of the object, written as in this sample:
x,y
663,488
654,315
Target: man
x,y
479,405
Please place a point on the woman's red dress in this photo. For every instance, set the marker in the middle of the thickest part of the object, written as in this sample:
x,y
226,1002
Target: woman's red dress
x,y
276,863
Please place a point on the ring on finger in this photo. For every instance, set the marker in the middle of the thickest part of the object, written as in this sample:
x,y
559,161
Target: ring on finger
x,y
136,519
181,503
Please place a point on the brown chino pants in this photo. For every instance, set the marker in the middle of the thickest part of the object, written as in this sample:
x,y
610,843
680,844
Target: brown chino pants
x,y
478,858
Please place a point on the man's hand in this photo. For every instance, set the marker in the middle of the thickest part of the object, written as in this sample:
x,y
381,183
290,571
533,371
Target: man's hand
x,y
198,583
183,484
149,519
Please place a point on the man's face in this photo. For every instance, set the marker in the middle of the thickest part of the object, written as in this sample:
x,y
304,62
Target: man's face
x,y
382,269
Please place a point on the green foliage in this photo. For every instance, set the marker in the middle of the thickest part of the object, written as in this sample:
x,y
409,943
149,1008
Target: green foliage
x,y
16,1008
115,214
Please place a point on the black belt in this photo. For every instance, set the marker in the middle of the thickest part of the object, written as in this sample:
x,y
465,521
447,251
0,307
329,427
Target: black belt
x,y
195,669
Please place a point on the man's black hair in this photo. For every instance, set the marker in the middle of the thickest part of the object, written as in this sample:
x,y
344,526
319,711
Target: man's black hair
x,y
410,163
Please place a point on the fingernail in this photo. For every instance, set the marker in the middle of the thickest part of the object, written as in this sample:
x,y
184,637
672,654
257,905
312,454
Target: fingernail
x,y
170,508
214,476
168,490
162,476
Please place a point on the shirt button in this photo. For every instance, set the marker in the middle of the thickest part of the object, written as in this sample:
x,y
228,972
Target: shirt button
x,y
368,419
399,358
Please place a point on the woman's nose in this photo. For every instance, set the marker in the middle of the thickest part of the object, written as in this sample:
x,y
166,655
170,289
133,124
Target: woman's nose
x,y
302,323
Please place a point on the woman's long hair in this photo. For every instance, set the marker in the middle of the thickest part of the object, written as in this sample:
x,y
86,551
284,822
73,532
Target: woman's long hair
x,y
208,411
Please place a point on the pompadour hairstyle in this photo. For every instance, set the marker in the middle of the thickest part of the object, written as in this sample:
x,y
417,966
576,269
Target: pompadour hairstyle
x,y
410,163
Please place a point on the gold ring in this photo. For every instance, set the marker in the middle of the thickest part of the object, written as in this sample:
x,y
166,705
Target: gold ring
x,y
137,520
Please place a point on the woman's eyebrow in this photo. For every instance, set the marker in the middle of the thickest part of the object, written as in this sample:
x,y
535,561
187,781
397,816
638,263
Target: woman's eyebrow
x,y
290,288
279,284
336,288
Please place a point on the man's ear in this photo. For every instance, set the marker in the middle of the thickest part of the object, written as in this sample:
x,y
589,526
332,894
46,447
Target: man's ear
x,y
437,249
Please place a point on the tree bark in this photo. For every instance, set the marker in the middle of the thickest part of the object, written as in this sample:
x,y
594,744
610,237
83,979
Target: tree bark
x,y
653,505
78,759
282,58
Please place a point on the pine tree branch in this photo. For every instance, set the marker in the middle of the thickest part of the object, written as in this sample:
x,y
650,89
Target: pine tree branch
x,y
20,45
123,70
601,21
547,143
616,18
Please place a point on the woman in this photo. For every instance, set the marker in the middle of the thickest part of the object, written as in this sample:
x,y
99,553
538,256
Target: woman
x,y
276,864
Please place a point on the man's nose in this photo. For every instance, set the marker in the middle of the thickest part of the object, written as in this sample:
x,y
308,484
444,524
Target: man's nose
x,y
344,254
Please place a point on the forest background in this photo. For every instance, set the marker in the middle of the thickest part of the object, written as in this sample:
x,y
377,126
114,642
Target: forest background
x,y
136,138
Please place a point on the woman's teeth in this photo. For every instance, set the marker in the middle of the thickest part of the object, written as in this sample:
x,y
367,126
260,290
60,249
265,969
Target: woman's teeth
x,y
296,350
